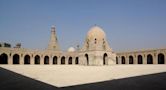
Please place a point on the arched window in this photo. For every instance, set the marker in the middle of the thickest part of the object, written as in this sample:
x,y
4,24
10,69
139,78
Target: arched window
x,y
140,61
77,60
70,60
105,59
46,60
87,58
27,59
95,40
123,60
16,59
149,59
161,58
63,60
55,60
3,59
131,61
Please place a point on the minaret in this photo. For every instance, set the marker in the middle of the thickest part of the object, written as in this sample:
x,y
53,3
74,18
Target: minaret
x,y
53,44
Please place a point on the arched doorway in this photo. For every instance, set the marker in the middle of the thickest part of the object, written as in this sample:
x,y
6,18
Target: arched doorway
x,y
70,60
87,58
3,59
76,61
46,60
116,60
16,59
123,60
105,59
149,59
27,59
161,58
63,60
131,61
55,60
37,59
140,61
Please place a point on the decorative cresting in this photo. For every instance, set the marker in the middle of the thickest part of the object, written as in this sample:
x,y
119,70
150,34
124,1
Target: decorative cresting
x,y
53,44
96,40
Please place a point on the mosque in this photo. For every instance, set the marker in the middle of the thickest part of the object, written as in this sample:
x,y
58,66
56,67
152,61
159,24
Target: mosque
x,y
95,51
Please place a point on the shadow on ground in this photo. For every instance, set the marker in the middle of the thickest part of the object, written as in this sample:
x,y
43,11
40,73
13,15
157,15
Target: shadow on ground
x,y
13,81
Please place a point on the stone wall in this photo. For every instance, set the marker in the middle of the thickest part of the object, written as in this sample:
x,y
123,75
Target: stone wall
x,y
153,56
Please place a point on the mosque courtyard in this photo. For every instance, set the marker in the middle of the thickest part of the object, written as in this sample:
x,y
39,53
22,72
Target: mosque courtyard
x,y
71,75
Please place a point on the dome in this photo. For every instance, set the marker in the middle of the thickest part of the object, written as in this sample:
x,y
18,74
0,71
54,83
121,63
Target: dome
x,y
96,33
71,49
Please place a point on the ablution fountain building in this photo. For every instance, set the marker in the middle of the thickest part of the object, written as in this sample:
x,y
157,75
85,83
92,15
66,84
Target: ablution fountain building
x,y
95,51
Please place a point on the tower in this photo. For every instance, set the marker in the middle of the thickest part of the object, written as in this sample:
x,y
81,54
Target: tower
x,y
96,49
53,44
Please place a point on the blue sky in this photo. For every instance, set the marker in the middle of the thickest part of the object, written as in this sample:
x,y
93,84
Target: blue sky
x,y
129,24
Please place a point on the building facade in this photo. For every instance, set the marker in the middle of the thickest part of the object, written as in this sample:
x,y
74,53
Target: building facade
x,y
95,52
153,56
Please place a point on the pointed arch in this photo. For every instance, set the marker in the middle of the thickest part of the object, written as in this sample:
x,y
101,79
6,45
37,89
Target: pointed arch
x,y
70,60
131,61
55,60
27,59
123,60
62,60
105,59
37,59
116,60
161,58
16,59
3,58
87,58
140,60
46,60
149,59
77,60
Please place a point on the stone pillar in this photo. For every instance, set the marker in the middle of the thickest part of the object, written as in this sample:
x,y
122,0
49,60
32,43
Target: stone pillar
x,y
59,60
155,58
66,60
119,60
80,60
73,60
134,60
42,60
144,58
32,59
21,59
127,60
50,60
10,60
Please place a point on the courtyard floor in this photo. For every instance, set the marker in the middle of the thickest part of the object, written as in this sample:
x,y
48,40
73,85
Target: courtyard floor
x,y
71,75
